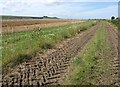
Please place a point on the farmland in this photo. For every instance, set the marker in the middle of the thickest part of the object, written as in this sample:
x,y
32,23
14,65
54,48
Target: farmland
x,y
59,52
11,26
91,67
18,43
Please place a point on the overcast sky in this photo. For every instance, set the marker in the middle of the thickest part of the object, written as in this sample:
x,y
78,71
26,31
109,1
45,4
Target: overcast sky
x,y
68,9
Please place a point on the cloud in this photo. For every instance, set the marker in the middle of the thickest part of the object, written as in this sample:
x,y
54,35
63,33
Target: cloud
x,y
92,1
19,5
61,8
13,6
102,13
2,6
32,1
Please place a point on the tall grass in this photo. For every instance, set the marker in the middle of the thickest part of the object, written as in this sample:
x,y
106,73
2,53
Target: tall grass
x,y
17,47
116,22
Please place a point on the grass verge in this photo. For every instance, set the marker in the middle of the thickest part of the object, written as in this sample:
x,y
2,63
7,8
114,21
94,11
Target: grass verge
x,y
116,22
18,47
86,68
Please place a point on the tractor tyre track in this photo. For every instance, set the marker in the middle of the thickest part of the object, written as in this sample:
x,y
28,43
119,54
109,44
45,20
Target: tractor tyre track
x,y
113,38
47,69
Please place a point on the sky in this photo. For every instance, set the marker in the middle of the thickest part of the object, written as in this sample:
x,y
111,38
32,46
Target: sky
x,y
66,9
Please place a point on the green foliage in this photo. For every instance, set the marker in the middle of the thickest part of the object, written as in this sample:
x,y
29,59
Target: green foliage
x,y
86,26
116,22
112,18
26,43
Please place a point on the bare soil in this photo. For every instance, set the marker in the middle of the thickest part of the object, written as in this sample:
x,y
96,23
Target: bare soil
x,y
106,70
48,68
115,61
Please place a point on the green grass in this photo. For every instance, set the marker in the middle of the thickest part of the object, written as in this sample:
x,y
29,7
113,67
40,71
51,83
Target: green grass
x,y
83,66
116,22
18,47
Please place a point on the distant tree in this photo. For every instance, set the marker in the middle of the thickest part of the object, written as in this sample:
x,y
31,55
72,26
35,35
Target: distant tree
x,y
117,18
112,18
45,16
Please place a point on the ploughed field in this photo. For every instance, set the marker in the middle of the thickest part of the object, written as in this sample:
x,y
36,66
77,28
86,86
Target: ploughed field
x,y
70,53
11,26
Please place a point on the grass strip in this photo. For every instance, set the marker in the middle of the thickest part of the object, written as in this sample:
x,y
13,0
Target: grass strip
x,y
20,46
86,68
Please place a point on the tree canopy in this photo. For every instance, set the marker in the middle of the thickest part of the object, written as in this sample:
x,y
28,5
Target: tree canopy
x,y
112,18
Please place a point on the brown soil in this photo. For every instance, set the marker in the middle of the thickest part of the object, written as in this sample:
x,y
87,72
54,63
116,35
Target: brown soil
x,y
113,43
47,69
110,59
109,75
26,25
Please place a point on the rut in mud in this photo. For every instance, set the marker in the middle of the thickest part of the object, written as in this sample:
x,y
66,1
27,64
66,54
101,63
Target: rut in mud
x,y
47,69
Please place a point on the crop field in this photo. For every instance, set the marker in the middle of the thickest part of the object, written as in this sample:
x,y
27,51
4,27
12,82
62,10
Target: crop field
x,y
11,26
59,52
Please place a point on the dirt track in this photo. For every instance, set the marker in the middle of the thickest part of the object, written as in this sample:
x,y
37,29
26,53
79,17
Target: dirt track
x,y
110,75
115,61
47,69
105,70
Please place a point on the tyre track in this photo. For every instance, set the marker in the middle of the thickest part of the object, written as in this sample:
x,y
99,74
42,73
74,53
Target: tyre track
x,y
113,38
48,69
